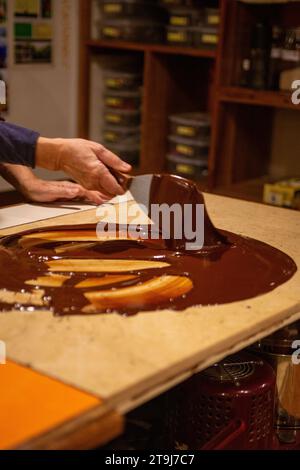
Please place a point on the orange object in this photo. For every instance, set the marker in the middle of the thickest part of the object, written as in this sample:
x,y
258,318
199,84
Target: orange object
x,y
32,404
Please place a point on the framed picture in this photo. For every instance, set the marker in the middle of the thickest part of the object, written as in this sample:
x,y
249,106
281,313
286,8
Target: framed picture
x,y
33,34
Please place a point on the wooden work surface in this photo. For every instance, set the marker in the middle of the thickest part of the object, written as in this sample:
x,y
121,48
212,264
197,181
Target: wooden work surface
x,y
128,360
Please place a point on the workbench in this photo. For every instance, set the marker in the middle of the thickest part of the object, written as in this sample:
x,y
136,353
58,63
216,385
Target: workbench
x,y
69,380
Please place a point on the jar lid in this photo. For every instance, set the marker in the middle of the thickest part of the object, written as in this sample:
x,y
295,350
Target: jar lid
x,y
122,129
124,93
199,162
281,342
130,23
121,74
191,119
119,147
127,112
192,142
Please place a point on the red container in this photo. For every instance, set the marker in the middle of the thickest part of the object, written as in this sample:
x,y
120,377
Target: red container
x,y
228,406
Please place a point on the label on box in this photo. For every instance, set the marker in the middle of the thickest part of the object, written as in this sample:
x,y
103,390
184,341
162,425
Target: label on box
x,y
110,136
113,82
115,118
186,131
111,32
185,169
209,38
113,101
273,197
113,8
179,20
179,36
283,193
185,150
213,19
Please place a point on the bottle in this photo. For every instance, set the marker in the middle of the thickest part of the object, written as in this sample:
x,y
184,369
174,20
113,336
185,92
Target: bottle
x,y
275,58
245,78
259,56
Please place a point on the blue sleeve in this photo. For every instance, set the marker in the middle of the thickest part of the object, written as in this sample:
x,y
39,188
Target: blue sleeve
x,y
17,145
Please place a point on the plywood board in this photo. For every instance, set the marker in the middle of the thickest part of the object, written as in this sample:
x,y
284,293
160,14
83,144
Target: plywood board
x,y
120,358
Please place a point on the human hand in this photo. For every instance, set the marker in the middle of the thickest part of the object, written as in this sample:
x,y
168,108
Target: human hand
x,y
85,161
50,191
38,190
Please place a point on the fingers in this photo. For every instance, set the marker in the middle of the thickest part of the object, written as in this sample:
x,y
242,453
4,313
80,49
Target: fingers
x,y
51,191
112,160
56,190
69,191
95,197
108,182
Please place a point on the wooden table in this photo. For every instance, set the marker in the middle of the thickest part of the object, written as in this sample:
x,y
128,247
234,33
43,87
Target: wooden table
x,y
103,366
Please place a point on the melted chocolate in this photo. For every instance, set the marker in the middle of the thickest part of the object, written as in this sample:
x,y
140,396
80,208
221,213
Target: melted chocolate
x,y
228,268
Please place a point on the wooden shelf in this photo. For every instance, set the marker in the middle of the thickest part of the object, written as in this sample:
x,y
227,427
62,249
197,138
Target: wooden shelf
x,y
275,99
251,190
158,48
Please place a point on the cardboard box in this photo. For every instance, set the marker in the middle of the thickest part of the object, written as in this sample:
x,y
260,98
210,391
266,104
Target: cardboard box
x,y
283,193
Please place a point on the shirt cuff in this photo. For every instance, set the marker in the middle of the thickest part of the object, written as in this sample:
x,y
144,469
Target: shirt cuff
x,y
17,144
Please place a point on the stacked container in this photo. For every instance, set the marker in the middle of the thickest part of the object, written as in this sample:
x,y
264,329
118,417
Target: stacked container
x,y
192,26
189,143
132,20
122,113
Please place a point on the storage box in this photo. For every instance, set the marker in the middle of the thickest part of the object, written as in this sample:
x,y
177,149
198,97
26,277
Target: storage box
x,y
205,36
179,36
283,193
190,125
183,17
135,30
121,80
122,118
212,16
129,152
191,148
121,135
132,9
124,100
187,167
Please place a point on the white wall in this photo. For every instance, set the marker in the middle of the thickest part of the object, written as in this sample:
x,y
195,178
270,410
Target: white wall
x,y
44,97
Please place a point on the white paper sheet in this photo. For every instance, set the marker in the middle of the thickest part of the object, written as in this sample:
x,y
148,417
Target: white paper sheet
x,y
29,213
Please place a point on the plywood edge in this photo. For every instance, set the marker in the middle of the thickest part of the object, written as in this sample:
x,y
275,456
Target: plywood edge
x,y
142,392
87,431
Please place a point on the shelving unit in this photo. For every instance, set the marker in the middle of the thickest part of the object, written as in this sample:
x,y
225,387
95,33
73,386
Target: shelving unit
x,y
179,79
274,99
159,48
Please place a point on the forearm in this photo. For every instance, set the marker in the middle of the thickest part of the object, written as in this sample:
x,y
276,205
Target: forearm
x,y
18,176
48,153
